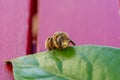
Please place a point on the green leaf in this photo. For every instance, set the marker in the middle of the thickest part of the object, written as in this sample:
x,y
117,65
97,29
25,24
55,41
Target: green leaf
x,y
87,62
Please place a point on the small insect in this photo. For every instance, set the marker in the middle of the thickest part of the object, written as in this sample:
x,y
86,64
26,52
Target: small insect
x,y
59,40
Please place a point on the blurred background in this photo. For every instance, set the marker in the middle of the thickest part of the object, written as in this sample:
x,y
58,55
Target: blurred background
x,y
25,25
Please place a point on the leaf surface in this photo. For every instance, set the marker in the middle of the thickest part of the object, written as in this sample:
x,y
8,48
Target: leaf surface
x,y
86,62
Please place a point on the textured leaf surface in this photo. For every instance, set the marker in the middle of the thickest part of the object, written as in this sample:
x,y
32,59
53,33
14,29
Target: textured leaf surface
x,y
85,62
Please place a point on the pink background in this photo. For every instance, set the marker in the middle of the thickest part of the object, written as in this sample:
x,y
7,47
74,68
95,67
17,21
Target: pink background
x,y
86,21
13,32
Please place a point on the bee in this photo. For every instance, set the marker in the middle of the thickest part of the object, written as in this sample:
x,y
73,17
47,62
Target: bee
x,y
59,40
